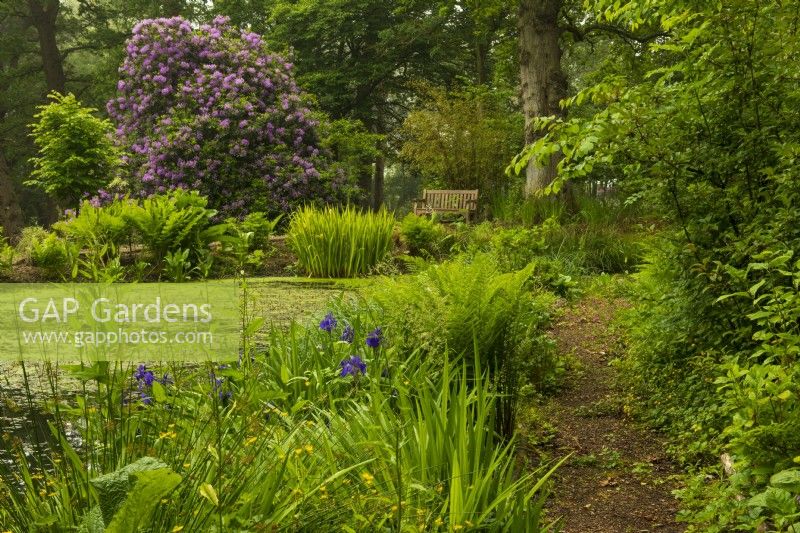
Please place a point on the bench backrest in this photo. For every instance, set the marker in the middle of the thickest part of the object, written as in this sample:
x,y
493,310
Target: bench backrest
x,y
436,199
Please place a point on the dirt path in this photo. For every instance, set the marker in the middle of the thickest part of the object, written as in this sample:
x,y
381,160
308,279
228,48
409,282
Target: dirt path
x,y
619,477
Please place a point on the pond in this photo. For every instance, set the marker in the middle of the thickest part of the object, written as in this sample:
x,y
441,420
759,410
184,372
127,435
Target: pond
x,y
24,389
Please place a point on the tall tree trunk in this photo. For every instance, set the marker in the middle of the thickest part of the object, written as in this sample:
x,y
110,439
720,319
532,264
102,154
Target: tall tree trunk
x,y
10,212
542,80
482,60
380,168
377,181
43,17
365,184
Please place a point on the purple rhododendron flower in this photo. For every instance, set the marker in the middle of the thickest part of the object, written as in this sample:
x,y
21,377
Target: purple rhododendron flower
x,y
204,80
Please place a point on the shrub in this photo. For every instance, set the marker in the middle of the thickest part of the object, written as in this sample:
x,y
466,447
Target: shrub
x,y
6,253
27,238
174,222
595,248
259,225
76,153
211,108
51,254
333,242
95,226
473,310
463,139
422,236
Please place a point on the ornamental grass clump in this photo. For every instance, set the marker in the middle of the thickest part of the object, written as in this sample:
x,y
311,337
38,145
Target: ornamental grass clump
x,y
340,243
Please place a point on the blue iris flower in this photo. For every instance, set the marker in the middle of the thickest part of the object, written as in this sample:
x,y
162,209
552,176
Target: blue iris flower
x,y
374,338
217,385
353,366
328,323
348,334
144,376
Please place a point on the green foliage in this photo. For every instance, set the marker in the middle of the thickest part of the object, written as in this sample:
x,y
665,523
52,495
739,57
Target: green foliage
x,y
474,310
116,490
154,233
45,250
6,254
97,226
352,148
423,236
177,267
709,138
178,220
27,238
662,333
462,140
335,243
76,153
259,225
596,248
298,446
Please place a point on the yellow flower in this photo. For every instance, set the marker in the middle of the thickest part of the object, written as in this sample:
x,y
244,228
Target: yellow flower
x,y
457,527
250,441
177,529
467,523
187,465
394,508
298,451
367,477
309,448
167,435
438,522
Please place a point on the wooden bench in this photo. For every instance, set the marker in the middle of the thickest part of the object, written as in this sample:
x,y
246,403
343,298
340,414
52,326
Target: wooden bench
x,y
461,202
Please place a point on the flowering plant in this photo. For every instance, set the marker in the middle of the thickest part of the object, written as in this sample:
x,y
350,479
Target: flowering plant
x,y
352,366
210,108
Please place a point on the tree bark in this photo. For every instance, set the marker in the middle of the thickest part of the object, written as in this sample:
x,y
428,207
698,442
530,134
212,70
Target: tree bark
x,y
380,167
43,17
10,212
542,80
377,181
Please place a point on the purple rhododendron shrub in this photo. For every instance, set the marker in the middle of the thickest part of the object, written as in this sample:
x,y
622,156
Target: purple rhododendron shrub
x,y
210,108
